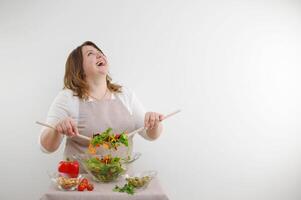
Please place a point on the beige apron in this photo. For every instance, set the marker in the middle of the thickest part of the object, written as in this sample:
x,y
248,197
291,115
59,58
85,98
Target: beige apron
x,y
96,117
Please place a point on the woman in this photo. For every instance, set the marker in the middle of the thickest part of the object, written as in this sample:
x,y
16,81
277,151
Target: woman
x,y
90,100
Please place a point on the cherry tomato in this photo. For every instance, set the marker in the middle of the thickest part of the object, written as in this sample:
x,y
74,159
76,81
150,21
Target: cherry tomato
x,y
90,187
81,187
84,181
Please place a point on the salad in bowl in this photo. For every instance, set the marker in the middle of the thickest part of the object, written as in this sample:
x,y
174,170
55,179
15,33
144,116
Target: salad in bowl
x,y
105,168
134,182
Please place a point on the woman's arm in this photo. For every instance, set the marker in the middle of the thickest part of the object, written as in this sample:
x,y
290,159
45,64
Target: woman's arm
x,y
154,127
59,116
50,140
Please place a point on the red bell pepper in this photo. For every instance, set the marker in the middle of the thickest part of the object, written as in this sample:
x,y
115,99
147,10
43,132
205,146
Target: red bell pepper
x,y
71,168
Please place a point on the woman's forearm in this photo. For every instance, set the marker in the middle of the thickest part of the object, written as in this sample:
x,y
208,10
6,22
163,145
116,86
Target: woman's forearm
x,y
50,139
155,132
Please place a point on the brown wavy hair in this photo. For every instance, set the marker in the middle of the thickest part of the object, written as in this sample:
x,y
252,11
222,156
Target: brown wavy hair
x,y
75,78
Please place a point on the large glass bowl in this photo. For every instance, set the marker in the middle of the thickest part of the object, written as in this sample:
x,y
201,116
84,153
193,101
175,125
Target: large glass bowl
x,y
102,171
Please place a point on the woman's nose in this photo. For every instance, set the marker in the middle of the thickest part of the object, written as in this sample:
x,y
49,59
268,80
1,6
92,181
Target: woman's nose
x,y
98,55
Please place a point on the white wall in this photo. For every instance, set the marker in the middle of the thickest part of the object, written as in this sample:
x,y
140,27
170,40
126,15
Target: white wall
x,y
232,67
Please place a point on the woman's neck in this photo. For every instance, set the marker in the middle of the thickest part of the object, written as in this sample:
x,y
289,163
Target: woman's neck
x,y
98,87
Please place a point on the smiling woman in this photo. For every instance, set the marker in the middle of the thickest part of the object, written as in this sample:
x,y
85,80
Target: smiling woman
x,y
90,100
79,69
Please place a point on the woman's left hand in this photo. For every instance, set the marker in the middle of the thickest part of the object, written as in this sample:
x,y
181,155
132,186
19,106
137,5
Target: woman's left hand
x,y
152,119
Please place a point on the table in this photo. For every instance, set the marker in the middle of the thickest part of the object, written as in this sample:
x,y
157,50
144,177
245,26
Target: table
x,y
103,191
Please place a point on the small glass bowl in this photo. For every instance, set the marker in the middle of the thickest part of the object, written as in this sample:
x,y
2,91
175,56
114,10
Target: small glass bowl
x,y
64,182
140,180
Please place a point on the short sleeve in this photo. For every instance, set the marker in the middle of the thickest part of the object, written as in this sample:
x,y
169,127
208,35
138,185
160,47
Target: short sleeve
x,y
61,107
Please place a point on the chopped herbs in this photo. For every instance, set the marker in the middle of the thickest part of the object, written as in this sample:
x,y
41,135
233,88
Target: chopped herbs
x,y
128,188
132,184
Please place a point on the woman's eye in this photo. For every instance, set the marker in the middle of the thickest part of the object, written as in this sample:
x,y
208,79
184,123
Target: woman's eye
x,y
89,53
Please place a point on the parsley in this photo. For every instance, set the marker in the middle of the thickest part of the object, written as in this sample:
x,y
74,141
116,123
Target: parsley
x,y
128,188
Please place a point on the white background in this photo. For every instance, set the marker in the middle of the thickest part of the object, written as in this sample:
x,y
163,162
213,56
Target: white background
x,y
233,67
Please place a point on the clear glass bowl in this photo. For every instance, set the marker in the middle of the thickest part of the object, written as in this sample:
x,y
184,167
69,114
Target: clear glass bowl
x,y
140,180
63,182
105,172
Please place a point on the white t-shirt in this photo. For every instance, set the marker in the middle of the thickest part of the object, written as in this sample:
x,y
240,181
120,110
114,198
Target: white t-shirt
x,y
67,105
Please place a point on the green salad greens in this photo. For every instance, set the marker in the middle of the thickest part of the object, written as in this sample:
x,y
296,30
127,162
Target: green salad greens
x,y
105,169
108,140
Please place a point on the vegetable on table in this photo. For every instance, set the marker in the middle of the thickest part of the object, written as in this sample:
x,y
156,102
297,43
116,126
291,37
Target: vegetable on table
x,y
128,188
70,168
84,184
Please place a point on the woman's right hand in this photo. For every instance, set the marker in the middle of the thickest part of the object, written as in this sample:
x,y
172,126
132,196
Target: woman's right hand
x,y
67,127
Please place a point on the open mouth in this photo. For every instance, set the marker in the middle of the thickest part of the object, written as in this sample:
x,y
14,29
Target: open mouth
x,y
100,63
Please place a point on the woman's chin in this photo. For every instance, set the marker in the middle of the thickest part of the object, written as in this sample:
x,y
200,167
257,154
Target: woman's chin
x,y
102,70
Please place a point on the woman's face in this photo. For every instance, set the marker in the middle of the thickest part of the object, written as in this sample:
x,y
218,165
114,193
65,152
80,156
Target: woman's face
x,y
94,62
